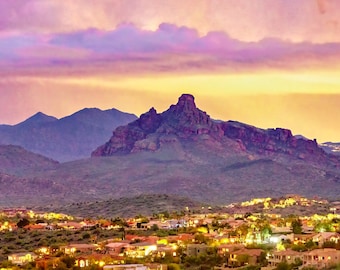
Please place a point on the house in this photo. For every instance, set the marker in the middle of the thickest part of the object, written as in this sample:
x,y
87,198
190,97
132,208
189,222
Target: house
x,y
45,262
196,249
115,248
156,266
22,258
288,256
103,259
81,262
244,256
83,248
321,258
70,225
278,238
87,225
163,250
36,227
125,267
225,249
140,249
323,237
184,238
302,238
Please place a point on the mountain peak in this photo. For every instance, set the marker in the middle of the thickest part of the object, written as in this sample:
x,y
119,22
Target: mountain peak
x,y
37,119
185,122
186,101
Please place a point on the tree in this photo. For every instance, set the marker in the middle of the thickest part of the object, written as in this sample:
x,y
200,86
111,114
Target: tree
x,y
174,266
23,222
154,227
242,231
200,238
297,226
68,261
283,266
263,259
242,259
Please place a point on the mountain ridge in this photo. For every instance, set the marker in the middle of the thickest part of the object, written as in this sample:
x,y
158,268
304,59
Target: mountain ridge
x,y
69,138
184,152
185,121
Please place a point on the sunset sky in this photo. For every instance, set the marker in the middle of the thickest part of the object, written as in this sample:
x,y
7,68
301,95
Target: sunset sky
x,y
268,63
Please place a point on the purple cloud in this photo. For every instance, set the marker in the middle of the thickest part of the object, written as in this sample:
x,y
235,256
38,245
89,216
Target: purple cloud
x,y
169,48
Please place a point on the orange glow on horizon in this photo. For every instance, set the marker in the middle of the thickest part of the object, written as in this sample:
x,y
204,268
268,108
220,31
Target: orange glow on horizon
x,y
308,104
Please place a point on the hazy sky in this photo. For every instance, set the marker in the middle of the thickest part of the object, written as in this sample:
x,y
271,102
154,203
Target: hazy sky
x,y
269,63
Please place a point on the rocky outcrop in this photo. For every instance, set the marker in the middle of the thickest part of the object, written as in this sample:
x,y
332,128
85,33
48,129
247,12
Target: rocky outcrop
x,y
278,141
184,121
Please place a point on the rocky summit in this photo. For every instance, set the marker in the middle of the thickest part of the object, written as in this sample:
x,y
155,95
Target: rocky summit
x,y
151,130
185,122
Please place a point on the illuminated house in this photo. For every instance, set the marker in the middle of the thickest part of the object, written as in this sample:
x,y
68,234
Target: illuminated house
x,y
22,258
244,256
125,267
82,262
323,237
115,248
70,225
225,249
140,250
321,258
288,256
83,248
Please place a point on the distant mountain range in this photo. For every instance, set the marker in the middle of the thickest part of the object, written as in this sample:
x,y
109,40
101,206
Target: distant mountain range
x,y
332,148
183,152
69,138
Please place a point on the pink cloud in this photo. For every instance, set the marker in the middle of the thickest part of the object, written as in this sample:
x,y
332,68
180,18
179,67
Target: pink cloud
x,y
169,48
310,20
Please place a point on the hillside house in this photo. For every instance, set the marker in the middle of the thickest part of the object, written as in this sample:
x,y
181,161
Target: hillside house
x,y
70,225
81,248
303,238
321,258
196,249
125,267
288,256
225,249
243,257
81,262
116,248
22,258
323,237
140,250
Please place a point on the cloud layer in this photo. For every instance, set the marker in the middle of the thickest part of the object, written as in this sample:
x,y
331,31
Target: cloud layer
x,y
303,20
170,48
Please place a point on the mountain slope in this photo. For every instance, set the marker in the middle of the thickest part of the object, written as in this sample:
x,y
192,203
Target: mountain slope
x,y
185,122
183,152
147,205
15,159
72,137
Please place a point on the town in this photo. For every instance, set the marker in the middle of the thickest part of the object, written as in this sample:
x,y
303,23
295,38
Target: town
x,y
257,234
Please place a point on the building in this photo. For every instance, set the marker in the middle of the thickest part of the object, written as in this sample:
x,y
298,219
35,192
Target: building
x,y
140,250
323,237
125,267
244,256
321,258
288,256
22,258
196,249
